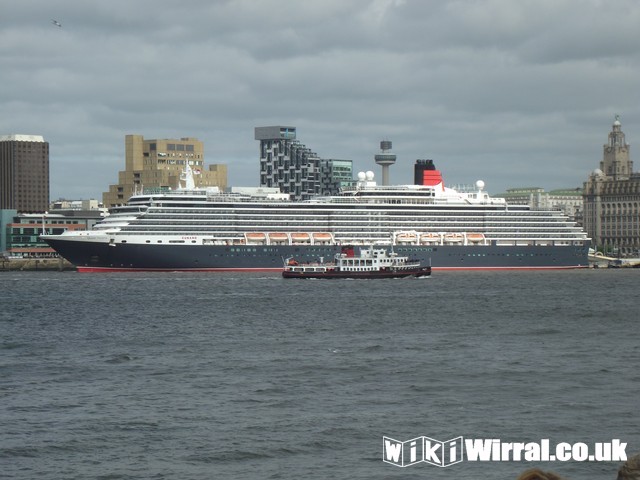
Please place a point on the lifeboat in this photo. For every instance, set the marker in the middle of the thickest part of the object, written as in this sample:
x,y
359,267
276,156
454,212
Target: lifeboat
x,y
453,237
406,237
475,237
322,237
300,237
278,237
430,238
255,237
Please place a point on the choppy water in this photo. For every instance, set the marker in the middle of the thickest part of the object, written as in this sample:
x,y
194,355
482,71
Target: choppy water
x,y
249,376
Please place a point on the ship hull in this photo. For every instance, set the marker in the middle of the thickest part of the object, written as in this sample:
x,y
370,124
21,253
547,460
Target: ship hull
x,y
96,256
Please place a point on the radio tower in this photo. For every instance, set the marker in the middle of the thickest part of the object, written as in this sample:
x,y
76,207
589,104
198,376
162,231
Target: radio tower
x,y
385,158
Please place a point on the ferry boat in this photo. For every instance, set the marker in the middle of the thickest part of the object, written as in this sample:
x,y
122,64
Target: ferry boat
x,y
253,230
371,263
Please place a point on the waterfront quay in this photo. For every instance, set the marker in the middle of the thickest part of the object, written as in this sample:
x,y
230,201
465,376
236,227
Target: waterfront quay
x,y
34,264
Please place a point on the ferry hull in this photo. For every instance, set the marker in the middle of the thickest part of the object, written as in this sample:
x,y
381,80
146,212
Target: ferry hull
x,y
98,256
417,272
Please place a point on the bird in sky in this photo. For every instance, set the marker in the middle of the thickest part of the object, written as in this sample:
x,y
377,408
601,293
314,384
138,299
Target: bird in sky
x,y
56,23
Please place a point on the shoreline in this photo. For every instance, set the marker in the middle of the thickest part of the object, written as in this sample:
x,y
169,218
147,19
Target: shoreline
x,y
36,264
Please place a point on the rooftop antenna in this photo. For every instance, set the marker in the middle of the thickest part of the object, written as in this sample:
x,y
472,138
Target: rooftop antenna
x,y
44,231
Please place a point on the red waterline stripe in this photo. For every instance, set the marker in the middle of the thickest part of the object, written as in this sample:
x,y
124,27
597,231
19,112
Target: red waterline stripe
x,y
572,267
441,269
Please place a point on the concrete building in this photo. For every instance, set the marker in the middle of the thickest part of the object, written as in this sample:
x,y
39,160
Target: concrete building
x,y
612,199
531,196
289,165
64,204
158,164
22,230
24,173
6,217
568,200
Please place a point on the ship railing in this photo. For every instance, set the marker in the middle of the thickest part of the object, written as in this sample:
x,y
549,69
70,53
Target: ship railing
x,y
377,200
243,198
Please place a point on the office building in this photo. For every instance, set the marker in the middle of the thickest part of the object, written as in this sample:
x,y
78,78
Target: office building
x,y
612,199
568,200
21,232
158,164
24,173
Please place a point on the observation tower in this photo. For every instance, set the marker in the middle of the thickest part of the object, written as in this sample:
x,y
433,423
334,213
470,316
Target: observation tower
x,y
385,158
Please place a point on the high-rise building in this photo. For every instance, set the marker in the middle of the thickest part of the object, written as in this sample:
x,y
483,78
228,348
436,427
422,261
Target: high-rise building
x,y
289,165
612,199
286,163
158,164
335,174
24,173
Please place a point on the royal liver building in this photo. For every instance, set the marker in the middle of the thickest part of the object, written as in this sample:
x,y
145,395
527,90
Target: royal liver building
x,y
612,199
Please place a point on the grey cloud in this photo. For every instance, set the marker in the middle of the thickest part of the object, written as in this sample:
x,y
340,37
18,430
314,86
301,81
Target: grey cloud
x,y
514,92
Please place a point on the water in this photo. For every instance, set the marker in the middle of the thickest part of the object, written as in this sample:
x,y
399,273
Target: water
x,y
249,376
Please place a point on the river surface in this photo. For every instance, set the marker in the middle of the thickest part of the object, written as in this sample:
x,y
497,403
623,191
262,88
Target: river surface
x,y
250,376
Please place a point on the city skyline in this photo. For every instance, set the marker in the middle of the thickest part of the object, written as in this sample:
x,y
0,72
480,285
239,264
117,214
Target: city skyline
x,y
512,93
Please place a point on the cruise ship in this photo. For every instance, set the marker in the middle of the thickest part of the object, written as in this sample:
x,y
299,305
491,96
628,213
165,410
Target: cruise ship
x,y
254,230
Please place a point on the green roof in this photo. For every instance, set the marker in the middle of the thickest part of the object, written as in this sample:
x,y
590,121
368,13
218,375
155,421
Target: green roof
x,y
567,191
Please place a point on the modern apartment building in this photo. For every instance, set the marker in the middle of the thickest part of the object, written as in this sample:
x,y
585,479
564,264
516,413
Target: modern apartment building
x,y
612,199
24,173
158,164
335,174
289,165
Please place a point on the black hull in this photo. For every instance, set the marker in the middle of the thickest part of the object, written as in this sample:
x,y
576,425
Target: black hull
x,y
98,256
414,272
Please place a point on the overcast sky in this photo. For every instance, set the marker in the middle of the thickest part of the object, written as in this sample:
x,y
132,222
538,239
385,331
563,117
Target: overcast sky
x,y
513,92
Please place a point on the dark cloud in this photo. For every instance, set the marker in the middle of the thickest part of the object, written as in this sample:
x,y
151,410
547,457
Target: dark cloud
x,y
515,93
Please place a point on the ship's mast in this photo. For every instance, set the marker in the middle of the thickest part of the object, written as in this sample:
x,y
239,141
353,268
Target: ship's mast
x,y
187,177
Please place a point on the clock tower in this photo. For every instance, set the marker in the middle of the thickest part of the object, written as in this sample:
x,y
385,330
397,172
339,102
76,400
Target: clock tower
x,y
615,160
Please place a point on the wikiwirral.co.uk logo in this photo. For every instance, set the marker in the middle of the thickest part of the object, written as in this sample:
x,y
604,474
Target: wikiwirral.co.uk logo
x,y
450,452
